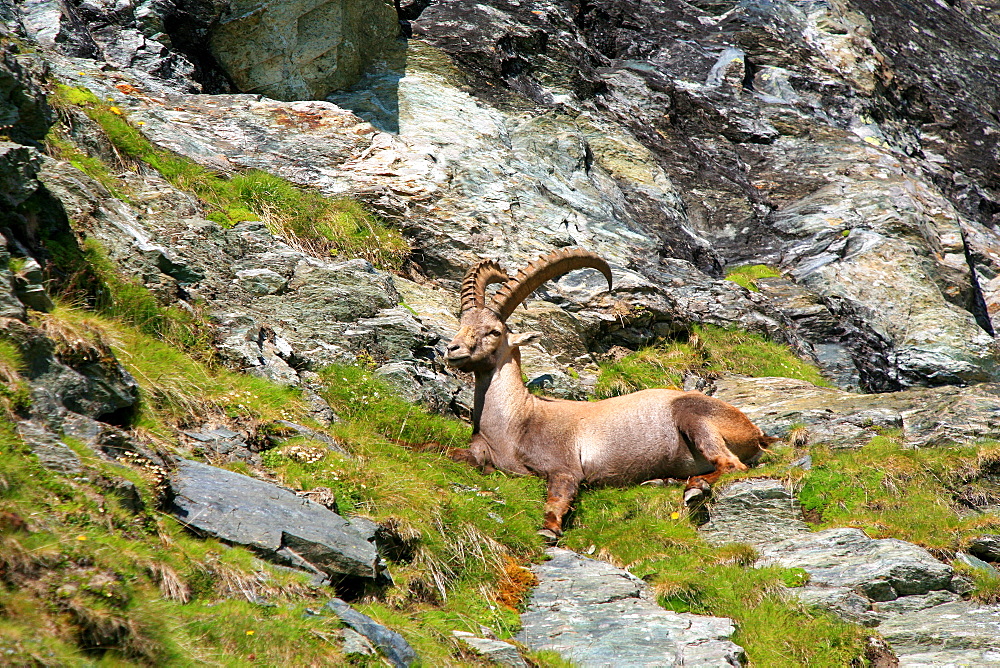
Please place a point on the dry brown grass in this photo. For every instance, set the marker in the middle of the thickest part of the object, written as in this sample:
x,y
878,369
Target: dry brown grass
x,y
172,587
516,582
79,339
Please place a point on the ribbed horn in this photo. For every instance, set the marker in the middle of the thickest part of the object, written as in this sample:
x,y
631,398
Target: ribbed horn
x,y
529,279
476,279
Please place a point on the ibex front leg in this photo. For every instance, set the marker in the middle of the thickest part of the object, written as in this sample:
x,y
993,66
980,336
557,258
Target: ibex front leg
x,y
477,454
562,491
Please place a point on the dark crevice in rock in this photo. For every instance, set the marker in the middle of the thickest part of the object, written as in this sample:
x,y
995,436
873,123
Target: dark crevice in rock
x,y
119,418
411,11
188,28
749,72
978,306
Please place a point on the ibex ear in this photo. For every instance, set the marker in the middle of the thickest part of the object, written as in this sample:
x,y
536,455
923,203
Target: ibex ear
x,y
525,339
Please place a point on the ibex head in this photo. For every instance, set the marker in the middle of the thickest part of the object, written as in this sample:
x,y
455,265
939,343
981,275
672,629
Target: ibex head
x,y
483,336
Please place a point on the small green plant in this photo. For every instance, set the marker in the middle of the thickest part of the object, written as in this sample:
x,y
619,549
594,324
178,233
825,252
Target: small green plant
x,y
303,216
749,275
707,349
16,265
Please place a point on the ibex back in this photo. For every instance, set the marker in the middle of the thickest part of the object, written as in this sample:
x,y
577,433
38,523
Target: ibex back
x,y
622,440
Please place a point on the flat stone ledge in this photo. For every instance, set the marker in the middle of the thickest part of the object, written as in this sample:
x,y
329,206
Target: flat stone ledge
x,y
597,615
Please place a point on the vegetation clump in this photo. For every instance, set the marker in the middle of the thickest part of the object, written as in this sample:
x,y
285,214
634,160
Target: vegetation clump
x,y
749,275
125,300
707,350
176,389
303,216
894,492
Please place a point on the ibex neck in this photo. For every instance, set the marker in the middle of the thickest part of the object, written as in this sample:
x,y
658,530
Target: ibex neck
x,y
501,397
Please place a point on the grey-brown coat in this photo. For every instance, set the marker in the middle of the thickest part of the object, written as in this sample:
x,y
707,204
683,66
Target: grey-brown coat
x,y
619,441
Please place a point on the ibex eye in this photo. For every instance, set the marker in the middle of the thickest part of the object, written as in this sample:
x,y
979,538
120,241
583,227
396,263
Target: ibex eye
x,y
495,332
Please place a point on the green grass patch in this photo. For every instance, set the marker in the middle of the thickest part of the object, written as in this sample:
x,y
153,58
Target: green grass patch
x,y
126,300
356,393
176,389
707,349
749,275
340,226
892,492
63,149
645,530
85,582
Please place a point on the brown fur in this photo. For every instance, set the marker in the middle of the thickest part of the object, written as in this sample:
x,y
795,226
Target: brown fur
x,y
622,440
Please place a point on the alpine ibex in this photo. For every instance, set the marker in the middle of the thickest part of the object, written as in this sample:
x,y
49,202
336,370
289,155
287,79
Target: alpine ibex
x,y
622,440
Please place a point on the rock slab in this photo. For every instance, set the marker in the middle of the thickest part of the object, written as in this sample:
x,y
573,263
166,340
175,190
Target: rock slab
x,y
881,570
271,520
953,634
756,512
597,615
393,646
893,585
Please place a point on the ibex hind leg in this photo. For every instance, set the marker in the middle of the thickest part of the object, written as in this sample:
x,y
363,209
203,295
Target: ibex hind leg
x,y
562,491
707,440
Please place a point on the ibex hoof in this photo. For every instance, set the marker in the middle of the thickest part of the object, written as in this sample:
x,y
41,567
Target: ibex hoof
x,y
550,536
693,496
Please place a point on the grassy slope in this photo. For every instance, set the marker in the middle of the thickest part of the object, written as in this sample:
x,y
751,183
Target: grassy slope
x,y
92,583
463,539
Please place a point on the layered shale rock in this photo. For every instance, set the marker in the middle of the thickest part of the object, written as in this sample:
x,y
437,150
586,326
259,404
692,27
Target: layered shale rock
x,y
270,520
596,615
897,587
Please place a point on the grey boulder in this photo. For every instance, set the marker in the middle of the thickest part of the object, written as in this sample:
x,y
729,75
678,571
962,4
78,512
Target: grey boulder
x,y
882,569
986,547
597,615
270,520
392,645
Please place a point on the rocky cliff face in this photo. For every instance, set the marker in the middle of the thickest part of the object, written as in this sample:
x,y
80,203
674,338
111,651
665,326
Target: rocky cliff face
x,y
678,140
851,145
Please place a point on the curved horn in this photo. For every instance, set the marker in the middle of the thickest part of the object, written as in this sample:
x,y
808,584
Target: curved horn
x,y
529,279
476,279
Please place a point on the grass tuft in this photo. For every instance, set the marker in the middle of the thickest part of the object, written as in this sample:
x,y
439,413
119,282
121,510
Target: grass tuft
x,y
305,217
707,350
126,300
14,391
986,586
749,275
